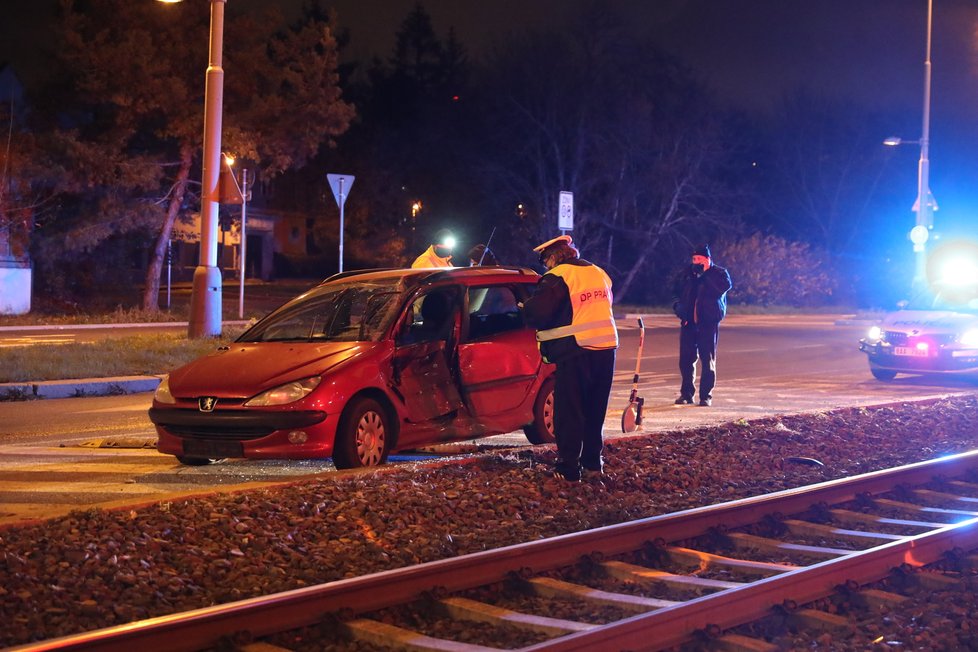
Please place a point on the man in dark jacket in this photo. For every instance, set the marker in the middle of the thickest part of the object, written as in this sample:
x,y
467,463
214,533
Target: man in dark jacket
x,y
701,306
571,310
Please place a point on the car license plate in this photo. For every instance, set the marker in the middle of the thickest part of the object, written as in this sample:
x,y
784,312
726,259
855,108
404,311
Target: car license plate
x,y
212,449
906,350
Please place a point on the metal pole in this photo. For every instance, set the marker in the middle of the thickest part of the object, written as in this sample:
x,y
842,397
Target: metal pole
x,y
342,202
205,298
244,240
925,213
169,268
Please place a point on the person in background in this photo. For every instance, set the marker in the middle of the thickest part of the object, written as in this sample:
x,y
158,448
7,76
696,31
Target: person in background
x,y
571,310
439,254
701,306
481,255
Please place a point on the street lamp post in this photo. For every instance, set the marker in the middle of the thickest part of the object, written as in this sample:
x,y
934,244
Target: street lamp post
x,y
925,204
925,208
205,298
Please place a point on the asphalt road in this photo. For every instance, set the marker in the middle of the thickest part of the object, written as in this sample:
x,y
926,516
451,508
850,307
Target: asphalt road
x,y
62,454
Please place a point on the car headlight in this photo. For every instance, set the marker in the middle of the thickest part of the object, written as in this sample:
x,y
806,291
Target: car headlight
x,y
163,394
287,393
970,337
875,333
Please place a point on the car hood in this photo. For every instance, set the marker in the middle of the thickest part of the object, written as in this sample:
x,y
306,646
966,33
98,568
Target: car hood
x,y
247,368
929,321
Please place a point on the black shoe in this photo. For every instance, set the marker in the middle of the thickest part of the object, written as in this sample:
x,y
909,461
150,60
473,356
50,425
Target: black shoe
x,y
688,400
593,470
569,477
706,402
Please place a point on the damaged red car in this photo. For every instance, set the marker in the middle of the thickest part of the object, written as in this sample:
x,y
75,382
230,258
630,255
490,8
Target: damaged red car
x,y
363,365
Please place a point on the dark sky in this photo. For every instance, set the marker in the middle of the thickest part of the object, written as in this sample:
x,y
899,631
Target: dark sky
x,y
750,51
871,51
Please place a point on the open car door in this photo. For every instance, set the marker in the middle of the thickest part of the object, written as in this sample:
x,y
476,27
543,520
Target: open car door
x,y
422,358
498,359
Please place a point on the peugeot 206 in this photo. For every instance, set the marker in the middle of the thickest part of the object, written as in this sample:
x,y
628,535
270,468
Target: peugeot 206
x,y
363,365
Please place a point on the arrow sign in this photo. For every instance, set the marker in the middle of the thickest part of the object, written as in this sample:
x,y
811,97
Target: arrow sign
x,y
340,184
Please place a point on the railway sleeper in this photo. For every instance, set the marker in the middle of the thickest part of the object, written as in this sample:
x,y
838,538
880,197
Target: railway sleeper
x,y
860,537
922,509
741,643
549,587
744,567
941,498
378,633
743,541
858,518
818,620
642,575
876,599
466,609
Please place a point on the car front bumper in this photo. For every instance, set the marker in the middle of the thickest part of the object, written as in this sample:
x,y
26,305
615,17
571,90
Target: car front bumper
x,y
238,433
946,360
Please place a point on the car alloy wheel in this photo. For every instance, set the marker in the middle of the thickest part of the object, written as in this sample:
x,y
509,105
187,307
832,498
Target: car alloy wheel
x,y
364,435
541,430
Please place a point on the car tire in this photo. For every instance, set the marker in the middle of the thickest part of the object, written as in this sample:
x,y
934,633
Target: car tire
x,y
364,435
541,430
195,461
882,374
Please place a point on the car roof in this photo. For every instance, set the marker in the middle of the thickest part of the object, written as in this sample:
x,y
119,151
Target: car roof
x,y
417,276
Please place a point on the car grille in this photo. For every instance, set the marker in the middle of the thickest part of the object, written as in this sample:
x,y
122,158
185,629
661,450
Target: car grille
x,y
221,432
899,338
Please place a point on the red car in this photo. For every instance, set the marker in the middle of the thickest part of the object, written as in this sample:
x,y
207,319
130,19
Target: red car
x,y
365,364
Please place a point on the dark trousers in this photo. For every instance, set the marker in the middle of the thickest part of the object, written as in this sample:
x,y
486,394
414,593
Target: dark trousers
x,y
583,386
698,340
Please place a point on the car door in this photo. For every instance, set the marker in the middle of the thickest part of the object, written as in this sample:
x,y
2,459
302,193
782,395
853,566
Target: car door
x,y
498,358
425,343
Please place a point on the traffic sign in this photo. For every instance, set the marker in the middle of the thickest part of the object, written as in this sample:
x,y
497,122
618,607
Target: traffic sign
x,y
565,215
340,185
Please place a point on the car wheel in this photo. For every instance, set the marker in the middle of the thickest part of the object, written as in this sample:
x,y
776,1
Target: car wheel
x,y
195,461
364,435
541,431
882,374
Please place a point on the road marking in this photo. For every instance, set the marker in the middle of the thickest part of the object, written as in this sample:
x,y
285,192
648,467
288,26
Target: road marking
x,y
31,340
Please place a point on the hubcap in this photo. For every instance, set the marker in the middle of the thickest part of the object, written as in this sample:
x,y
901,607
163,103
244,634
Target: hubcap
x,y
548,413
371,438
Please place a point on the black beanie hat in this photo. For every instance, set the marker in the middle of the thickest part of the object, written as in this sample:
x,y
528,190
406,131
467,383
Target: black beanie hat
x,y
702,250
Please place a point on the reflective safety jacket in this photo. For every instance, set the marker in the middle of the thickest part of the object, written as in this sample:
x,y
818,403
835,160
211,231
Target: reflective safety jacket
x,y
571,310
430,259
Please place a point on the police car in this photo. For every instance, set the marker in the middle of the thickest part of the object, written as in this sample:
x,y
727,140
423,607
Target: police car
x,y
933,334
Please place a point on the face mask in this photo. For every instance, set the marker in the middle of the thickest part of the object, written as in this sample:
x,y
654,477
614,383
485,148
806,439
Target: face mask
x,y
698,269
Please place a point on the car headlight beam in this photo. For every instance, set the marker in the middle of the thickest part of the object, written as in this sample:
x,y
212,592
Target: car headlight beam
x,y
875,333
970,337
287,393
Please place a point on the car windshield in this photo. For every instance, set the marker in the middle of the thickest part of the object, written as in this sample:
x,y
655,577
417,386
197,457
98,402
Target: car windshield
x,y
341,312
953,299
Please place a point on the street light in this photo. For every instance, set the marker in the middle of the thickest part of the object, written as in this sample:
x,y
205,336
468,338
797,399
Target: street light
x,y
925,204
242,198
205,297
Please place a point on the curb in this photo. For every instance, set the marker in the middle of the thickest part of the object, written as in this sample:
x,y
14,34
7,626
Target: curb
x,y
79,387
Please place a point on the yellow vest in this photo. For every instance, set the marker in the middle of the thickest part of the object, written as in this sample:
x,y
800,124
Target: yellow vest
x,y
592,323
430,259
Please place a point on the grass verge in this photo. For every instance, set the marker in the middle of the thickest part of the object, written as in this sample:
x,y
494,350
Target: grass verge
x,y
136,355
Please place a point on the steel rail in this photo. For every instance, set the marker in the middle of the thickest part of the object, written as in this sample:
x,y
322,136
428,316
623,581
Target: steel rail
x,y
261,616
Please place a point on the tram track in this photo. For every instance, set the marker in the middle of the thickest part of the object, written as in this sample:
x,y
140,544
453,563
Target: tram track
x,y
655,582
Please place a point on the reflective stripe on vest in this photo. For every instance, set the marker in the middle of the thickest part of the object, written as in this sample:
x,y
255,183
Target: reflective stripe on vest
x,y
592,322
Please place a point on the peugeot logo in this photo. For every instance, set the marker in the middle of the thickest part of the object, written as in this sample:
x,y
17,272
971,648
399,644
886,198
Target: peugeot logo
x,y
207,403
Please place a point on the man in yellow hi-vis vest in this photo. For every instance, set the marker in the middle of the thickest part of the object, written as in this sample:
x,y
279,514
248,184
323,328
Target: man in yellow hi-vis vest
x,y
571,310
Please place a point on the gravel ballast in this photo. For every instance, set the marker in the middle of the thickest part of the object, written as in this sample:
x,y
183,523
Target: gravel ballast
x,y
99,568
